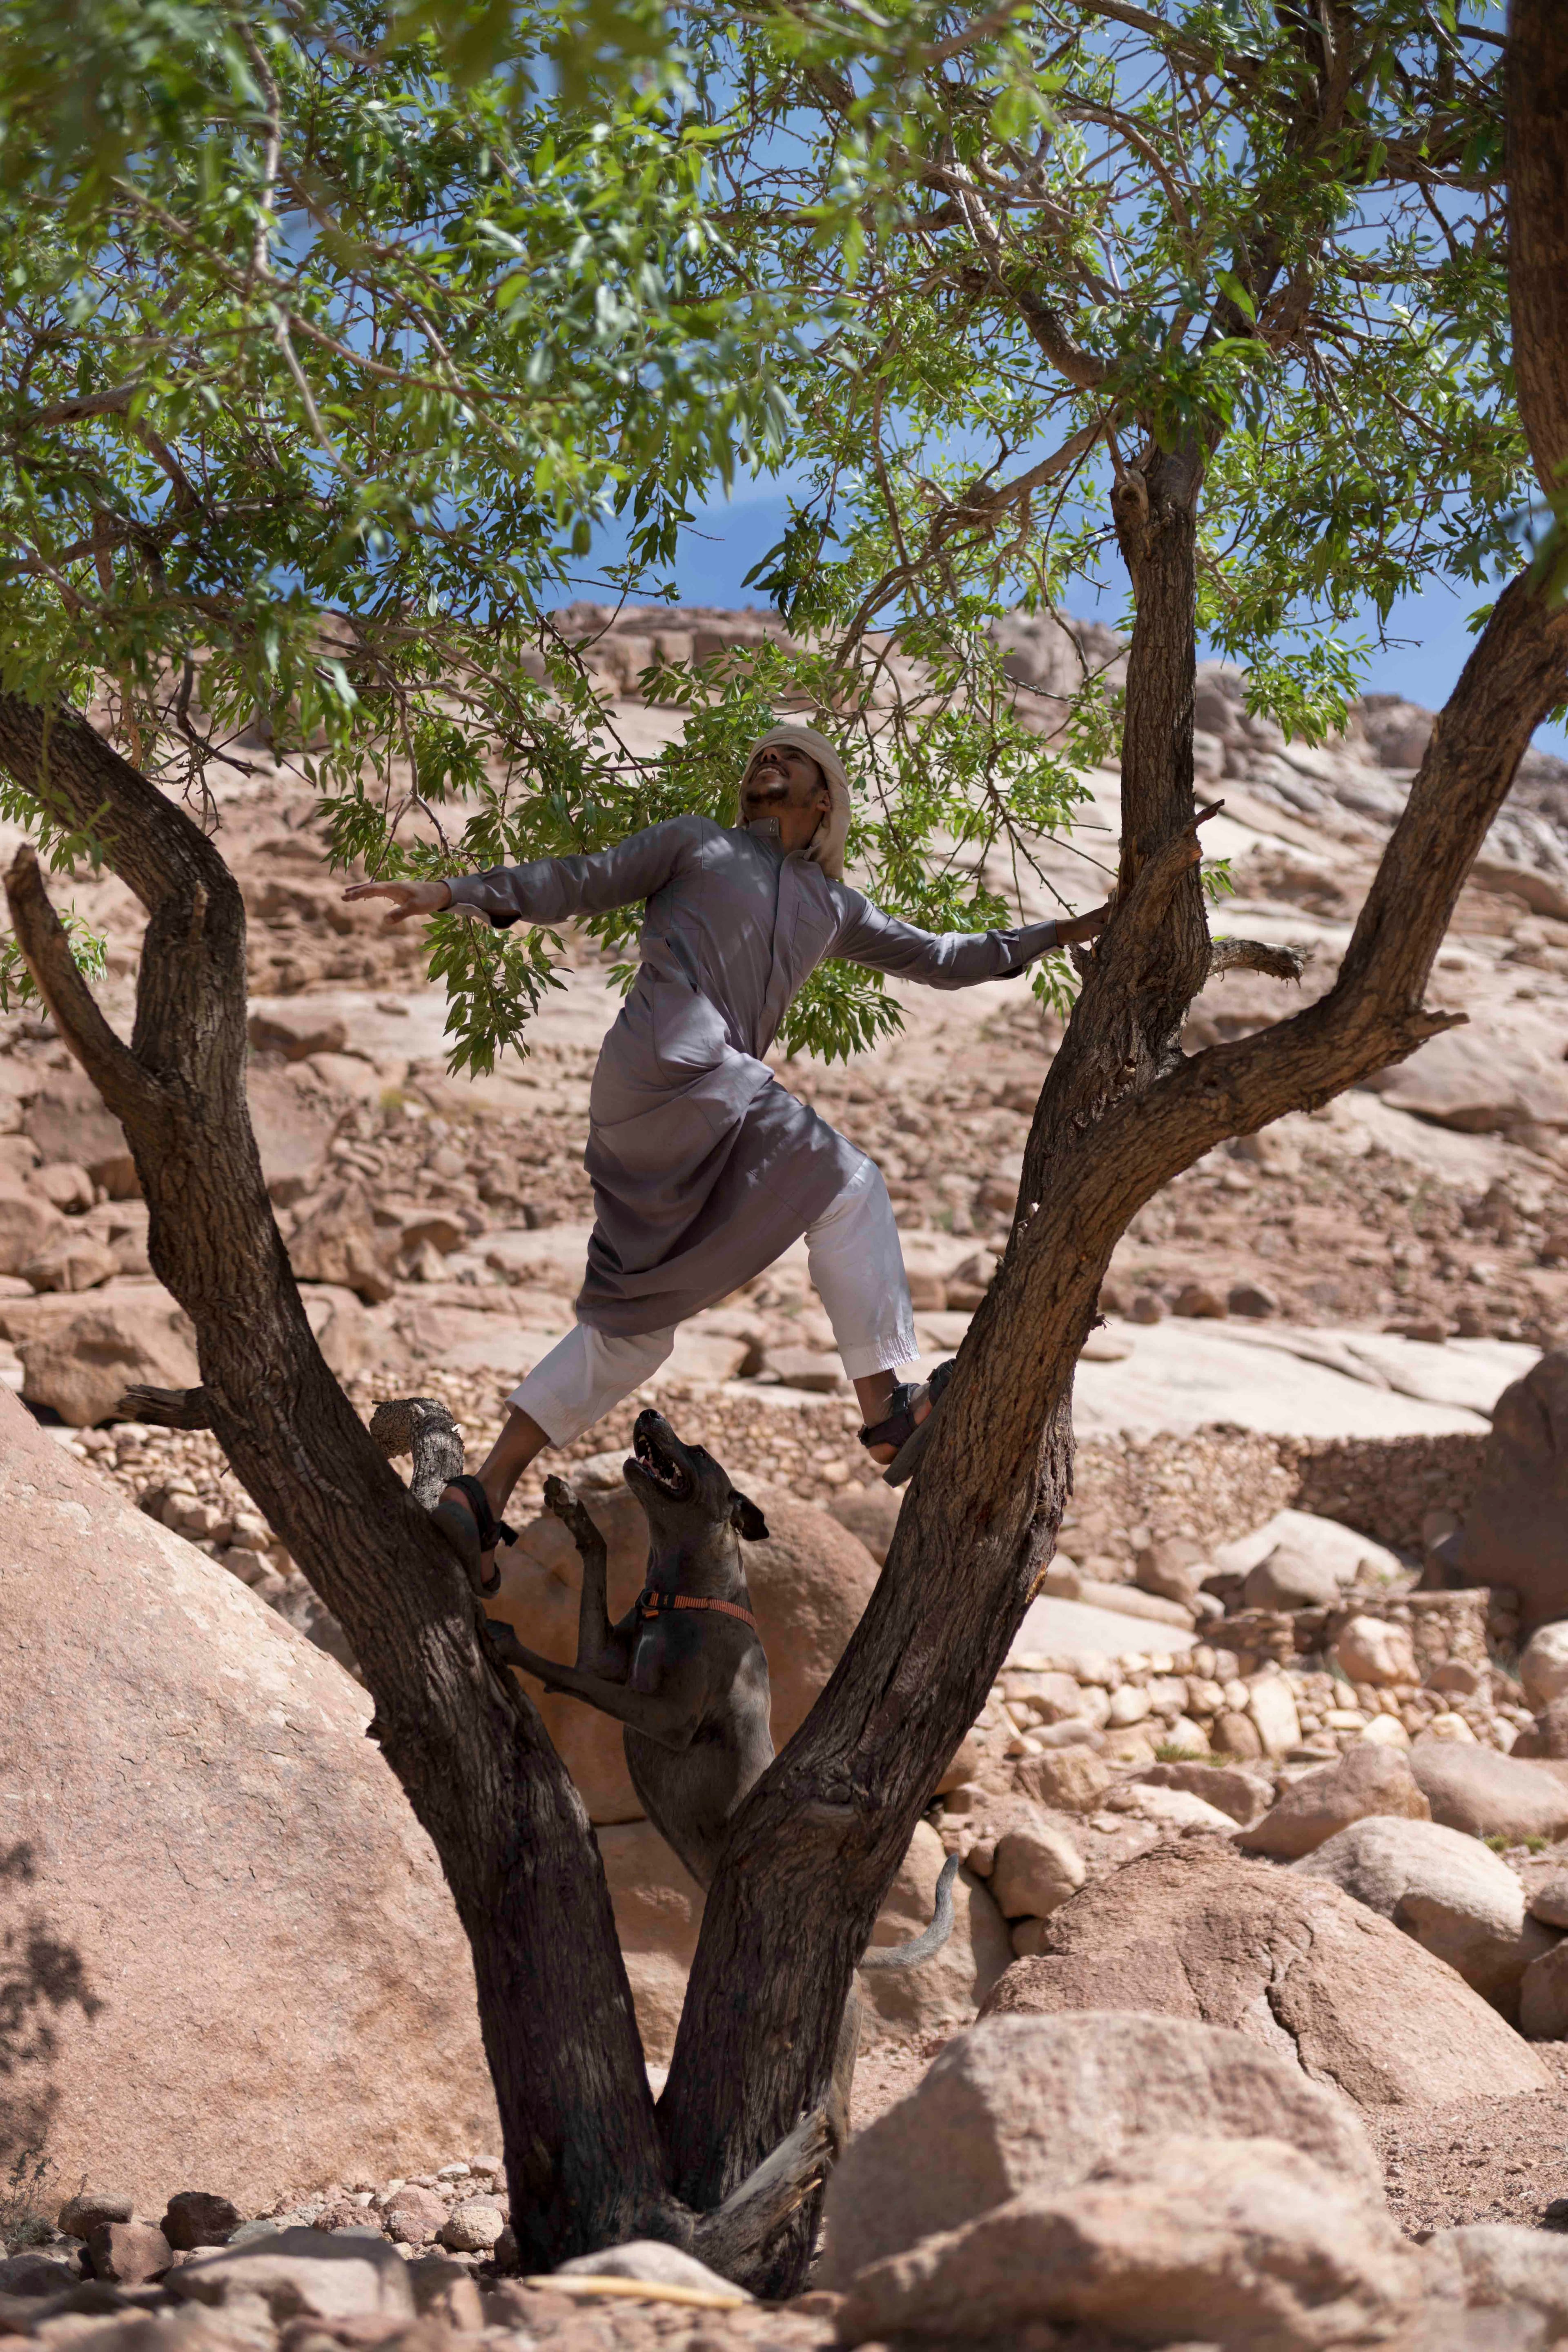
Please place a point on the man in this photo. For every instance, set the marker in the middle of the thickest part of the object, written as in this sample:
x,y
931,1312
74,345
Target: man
x,y
704,1168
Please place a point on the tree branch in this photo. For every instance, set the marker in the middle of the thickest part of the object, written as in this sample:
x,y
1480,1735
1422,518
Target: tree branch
x,y
46,947
1255,955
168,1408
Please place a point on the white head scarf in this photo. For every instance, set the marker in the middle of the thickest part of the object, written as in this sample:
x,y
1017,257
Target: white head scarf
x,y
826,845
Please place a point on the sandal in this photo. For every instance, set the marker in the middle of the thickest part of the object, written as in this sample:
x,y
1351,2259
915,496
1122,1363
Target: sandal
x,y
899,1427
473,1532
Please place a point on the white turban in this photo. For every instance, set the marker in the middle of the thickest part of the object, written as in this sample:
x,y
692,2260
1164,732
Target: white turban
x,y
826,845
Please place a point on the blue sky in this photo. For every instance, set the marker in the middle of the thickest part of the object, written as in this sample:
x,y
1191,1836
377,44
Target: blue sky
x,y
1428,641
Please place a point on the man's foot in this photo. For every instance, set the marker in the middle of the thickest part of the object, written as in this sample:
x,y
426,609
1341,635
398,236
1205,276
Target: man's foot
x,y
899,1440
905,1422
464,1516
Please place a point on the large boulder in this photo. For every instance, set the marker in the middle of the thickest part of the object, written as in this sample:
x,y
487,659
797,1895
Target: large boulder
x,y
658,1912
1456,1897
1246,2244
1516,1530
1037,2103
81,1368
1325,1550
1197,1930
28,1224
1544,1668
810,1579
1486,1794
67,1121
232,1953
1371,1779
1482,1083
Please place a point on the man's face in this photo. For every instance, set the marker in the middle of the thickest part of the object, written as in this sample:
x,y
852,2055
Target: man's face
x,y
785,782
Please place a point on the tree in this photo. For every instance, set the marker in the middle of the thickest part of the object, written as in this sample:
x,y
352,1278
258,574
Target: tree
x,y
318,363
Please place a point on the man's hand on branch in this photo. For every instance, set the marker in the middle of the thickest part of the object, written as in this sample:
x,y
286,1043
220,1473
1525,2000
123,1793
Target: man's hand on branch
x,y
409,897
1079,927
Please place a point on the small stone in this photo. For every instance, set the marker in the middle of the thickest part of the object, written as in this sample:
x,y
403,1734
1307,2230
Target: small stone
x,y
90,2208
196,2217
1035,1871
414,2216
1236,1735
1197,1300
1370,1649
472,2227
1549,1904
36,2274
1249,1298
1071,1779
1544,1668
1148,1308
129,2252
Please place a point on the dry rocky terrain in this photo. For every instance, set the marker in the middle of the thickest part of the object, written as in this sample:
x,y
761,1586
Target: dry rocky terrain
x,y
1277,1769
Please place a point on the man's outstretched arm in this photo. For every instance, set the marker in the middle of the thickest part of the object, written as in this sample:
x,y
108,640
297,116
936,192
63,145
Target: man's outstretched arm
x,y
551,889
952,958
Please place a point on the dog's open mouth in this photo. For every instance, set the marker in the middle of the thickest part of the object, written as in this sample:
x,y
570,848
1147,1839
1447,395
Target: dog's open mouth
x,y
670,1477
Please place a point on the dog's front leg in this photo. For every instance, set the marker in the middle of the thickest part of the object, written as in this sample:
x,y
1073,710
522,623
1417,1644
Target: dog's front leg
x,y
667,1717
598,1652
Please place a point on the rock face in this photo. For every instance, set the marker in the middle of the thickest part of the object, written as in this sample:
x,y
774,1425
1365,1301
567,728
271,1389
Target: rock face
x,y
206,1860
1486,1794
659,1911
809,1582
82,1368
1197,1931
1037,2103
1369,1779
1457,1899
1243,2243
1516,1532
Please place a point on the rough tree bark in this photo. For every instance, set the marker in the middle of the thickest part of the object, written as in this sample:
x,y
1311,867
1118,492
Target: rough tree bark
x,y
818,1841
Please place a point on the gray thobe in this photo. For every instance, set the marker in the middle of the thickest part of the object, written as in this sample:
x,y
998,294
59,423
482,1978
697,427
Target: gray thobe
x,y
704,1168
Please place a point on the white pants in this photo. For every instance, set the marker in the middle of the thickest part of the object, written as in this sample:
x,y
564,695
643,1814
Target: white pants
x,y
853,1256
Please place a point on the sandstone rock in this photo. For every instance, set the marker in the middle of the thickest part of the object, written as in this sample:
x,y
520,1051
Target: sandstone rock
x,y
82,1368
129,2252
1370,1649
196,2218
1488,1794
1173,1809
301,2274
338,1241
1449,1892
1030,2104
1251,1298
1549,1901
1236,1735
1313,1810
273,1851
92,2207
293,1126
1196,1299
64,1186
73,1261
1071,1779
28,1225
348,1339
1306,1535
473,2226
803,1368
1197,1930
1543,1665
1244,2245
1271,1703
413,2216
1292,1577
36,2274
1516,1531
1543,1996
1035,1871
67,1121
1481,1085
1173,1570
1242,1795
1500,2263
295,1030
659,1911
870,1513
809,1581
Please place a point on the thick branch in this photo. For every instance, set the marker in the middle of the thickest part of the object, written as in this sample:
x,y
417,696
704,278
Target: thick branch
x,y
46,947
168,1408
1536,76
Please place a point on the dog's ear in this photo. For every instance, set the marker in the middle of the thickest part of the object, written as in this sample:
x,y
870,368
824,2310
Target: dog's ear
x,y
746,1519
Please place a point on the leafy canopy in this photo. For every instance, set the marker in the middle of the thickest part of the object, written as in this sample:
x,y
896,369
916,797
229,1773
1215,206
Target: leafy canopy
x,y
327,341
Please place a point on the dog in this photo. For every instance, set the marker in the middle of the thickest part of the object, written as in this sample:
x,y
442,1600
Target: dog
x,y
686,1674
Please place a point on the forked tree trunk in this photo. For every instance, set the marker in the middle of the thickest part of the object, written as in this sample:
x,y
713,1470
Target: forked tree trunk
x,y
816,1844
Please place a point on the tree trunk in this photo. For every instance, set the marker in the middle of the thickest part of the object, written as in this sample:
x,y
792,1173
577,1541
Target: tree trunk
x,y
584,2165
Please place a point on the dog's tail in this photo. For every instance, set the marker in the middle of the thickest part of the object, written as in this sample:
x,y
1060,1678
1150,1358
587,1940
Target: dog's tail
x,y
911,1954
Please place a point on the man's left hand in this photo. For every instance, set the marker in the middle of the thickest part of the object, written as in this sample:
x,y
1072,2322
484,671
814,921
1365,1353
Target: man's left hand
x,y
1079,927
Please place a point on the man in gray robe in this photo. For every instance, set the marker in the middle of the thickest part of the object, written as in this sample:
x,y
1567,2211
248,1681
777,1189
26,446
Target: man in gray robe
x,y
704,1168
